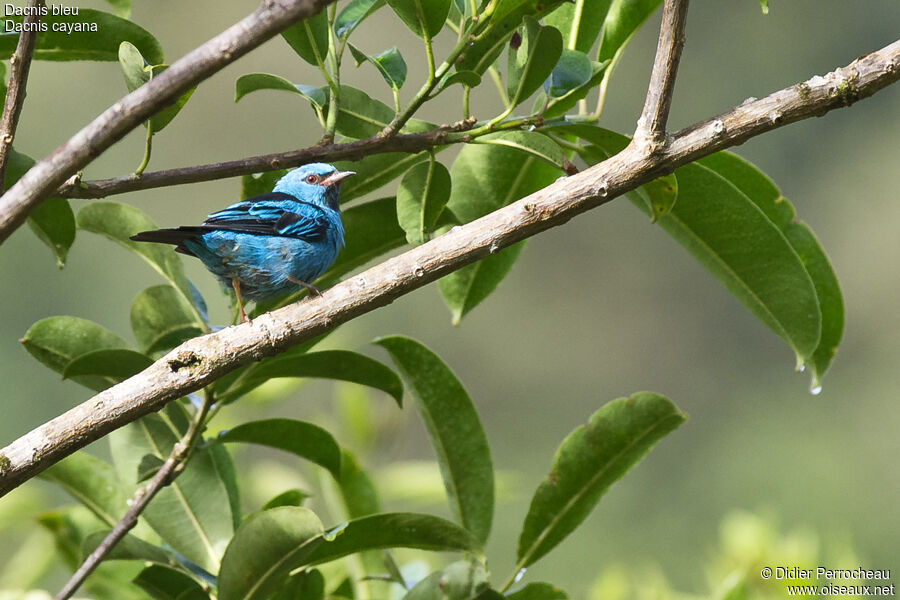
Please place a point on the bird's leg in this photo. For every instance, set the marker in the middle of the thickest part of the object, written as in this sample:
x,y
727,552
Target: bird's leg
x,y
313,290
237,292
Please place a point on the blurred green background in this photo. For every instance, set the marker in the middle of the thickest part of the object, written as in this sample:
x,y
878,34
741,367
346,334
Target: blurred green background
x,y
597,309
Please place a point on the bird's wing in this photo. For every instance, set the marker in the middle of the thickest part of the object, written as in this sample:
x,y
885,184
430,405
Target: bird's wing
x,y
272,214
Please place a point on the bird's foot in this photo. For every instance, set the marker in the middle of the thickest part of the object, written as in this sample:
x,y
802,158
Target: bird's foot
x,y
313,290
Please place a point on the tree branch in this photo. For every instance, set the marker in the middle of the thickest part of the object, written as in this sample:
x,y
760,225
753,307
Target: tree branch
x,y
20,64
272,17
651,127
202,360
168,471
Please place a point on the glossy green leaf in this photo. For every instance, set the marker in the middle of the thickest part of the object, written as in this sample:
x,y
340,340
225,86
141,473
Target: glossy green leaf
x,y
293,497
224,464
161,319
121,8
356,487
89,35
375,171
763,192
309,38
353,14
573,71
193,514
661,195
92,482
561,105
119,222
137,72
371,230
306,585
360,116
52,221
530,142
622,20
462,580
253,82
130,547
533,61
468,78
764,4
588,461
421,198
423,17
485,178
57,341
112,364
297,437
162,583
455,430
539,591
580,22
505,19
389,63
329,364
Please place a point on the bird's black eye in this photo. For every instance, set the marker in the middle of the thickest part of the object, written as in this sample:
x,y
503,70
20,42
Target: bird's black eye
x,y
312,179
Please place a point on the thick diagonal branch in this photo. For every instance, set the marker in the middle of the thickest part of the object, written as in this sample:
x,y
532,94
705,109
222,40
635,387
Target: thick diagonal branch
x,y
651,127
202,360
272,17
19,65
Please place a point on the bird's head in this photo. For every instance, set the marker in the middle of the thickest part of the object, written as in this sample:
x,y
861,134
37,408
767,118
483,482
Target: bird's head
x,y
315,182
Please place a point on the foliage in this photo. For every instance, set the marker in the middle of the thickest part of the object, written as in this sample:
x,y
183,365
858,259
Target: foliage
x,y
196,539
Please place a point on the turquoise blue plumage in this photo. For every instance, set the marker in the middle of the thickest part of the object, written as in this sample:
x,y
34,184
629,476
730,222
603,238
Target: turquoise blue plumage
x,y
268,245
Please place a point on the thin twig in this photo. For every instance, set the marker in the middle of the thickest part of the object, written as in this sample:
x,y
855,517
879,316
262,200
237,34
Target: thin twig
x,y
20,64
272,17
170,469
651,127
211,356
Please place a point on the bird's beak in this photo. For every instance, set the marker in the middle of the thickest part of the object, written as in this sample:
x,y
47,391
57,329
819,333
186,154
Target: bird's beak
x,y
336,177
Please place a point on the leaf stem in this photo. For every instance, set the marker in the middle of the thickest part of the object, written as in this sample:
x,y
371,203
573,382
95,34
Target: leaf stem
x,y
170,469
148,148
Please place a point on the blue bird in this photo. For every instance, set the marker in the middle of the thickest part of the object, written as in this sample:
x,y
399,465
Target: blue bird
x,y
267,245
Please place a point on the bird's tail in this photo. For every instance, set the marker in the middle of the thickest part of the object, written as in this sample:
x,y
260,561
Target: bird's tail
x,y
175,237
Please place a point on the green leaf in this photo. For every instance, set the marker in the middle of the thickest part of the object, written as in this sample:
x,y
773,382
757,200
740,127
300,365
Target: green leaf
x,y
467,78
580,22
52,221
353,14
253,82
297,437
162,583
533,61
462,580
306,585
360,116
505,19
421,198
119,222
455,430
573,71
539,591
92,482
309,38
622,20
130,547
375,171
485,178
122,8
260,183
329,364
113,364
762,192
161,319
292,497
530,142
589,460
561,105
389,63
423,17
224,463
137,72
764,4
660,195
193,514
356,487
466,288
57,341
89,35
